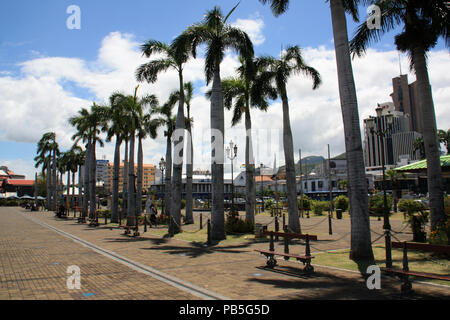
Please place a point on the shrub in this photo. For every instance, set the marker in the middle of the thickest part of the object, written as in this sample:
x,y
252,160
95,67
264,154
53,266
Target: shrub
x,y
341,202
101,213
104,202
376,205
447,205
306,202
410,206
234,224
319,207
441,235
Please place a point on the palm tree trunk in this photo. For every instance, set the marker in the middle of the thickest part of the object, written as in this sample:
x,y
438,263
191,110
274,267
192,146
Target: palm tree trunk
x,y
131,210
55,183
434,171
68,189
189,173
250,192
361,247
92,182
115,186
217,158
291,184
125,181
86,174
49,188
72,198
140,174
168,178
80,186
177,185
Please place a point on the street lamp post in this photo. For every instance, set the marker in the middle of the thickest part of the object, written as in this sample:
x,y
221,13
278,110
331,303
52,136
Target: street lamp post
x,y
381,133
262,187
230,149
162,166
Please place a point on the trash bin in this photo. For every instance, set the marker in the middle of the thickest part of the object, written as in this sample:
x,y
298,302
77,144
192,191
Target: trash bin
x,y
259,229
339,213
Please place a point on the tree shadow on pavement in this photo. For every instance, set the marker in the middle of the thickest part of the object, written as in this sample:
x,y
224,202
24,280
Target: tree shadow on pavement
x,y
197,249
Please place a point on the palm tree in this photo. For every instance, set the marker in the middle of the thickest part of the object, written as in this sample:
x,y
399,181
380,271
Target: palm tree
x,y
167,120
444,137
395,176
175,58
88,125
218,36
145,127
423,23
419,145
45,148
278,71
117,128
361,246
173,99
245,94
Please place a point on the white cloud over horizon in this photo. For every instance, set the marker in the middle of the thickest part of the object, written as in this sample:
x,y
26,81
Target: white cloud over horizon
x,y
41,99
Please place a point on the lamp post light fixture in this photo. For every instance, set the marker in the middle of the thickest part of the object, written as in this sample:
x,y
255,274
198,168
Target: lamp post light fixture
x,y
162,166
230,149
376,129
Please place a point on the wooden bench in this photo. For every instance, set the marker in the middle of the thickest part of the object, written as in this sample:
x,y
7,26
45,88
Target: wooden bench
x,y
405,273
271,253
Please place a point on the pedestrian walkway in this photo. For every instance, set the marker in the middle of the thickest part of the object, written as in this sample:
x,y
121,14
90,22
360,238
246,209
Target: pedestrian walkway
x,y
229,270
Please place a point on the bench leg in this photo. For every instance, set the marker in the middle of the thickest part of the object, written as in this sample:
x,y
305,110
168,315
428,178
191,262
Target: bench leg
x,y
308,267
271,262
406,288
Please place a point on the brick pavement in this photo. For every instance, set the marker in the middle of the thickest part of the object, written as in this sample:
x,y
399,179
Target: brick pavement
x,y
34,261
233,270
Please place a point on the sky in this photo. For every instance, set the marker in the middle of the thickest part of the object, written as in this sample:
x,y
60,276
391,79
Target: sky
x,y
48,72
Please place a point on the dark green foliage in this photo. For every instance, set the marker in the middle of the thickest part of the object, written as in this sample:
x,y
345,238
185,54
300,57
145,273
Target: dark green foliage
x,y
234,224
341,203
376,205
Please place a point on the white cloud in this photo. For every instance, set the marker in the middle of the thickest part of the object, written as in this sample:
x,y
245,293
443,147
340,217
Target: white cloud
x,y
42,99
253,27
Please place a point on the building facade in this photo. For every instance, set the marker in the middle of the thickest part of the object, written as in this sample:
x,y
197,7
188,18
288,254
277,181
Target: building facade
x,y
149,176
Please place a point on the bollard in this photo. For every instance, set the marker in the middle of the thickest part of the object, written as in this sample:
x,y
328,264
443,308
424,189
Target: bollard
x,y
277,228
106,218
271,245
201,221
209,232
307,214
286,247
307,249
145,223
330,227
284,222
406,287
388,249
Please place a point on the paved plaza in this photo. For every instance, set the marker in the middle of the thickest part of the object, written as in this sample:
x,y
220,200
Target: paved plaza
x,y
36,248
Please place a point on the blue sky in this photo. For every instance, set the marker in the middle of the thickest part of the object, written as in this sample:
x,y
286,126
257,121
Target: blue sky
x,y
37,29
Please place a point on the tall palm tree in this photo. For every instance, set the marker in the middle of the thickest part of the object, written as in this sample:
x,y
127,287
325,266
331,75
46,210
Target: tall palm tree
x,y
88,125
278,71
444,137
361,246
218,36
423,23
166,120
46,147
242,90
175,57
116,127
173,99
145,127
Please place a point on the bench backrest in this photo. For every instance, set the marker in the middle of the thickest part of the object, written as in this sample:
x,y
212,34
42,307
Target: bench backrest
x,y
290,235
423,247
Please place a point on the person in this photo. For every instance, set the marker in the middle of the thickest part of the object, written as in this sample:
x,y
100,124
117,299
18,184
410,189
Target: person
x,y
153,213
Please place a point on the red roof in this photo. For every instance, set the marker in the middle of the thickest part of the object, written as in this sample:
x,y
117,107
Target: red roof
x,y
20,182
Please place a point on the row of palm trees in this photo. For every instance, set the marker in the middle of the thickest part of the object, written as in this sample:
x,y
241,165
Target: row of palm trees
x,y
259,79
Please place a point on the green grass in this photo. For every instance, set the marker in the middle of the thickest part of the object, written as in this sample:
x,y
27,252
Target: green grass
x,y
418,261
